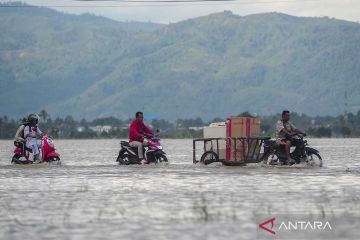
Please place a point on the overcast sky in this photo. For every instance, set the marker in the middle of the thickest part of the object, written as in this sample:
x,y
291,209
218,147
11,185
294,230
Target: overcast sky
x,y
174,12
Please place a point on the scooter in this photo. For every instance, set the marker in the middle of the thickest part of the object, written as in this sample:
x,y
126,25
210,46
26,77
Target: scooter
x,y
275,154
153,153
48,154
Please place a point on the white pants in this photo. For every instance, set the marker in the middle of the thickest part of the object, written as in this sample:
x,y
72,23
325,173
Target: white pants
x,y
140,146
34,144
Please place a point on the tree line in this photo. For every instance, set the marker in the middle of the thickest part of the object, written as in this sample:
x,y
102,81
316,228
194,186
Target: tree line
x,y
346,125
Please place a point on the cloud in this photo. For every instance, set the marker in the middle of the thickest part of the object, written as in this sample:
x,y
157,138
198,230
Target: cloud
x,y
173,12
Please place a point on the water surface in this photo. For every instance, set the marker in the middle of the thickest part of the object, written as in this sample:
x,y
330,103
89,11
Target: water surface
x,y
91,197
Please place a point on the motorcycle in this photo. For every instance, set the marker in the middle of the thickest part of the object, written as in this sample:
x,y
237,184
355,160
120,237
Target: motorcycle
x,y
275,154
153,153
48,154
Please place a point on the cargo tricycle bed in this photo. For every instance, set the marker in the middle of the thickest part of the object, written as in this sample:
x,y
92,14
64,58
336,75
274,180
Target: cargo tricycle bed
x,y
230,151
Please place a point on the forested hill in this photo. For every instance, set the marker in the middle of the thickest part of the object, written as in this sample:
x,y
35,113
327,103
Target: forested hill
x,y
216,65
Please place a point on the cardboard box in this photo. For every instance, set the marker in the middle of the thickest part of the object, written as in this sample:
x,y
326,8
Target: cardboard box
x,y
242,127
237,127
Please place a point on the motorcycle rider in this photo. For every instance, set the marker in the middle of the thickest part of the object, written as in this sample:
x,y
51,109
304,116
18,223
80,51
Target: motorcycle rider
x,y
285,130
31,134
19,139
136,138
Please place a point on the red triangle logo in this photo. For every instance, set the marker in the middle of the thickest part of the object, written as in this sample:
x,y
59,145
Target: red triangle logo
x,y
262,225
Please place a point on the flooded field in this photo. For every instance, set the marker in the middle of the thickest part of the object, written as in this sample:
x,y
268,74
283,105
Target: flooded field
x,y
91,197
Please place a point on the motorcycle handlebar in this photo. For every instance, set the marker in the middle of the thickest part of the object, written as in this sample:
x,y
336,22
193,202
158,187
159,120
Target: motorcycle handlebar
x,y
300,135
151,135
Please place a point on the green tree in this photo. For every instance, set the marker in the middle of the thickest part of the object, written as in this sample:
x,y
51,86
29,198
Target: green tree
x,y
44,115
345,131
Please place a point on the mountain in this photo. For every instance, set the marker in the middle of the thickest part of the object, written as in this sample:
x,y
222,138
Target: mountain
x,y
216,65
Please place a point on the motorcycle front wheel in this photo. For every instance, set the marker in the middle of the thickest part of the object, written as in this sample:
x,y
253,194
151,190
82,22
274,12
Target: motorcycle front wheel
x,y
52,159
159,157
314,159
124,160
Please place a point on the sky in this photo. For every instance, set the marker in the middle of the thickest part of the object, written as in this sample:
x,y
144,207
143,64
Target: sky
x,y
174,12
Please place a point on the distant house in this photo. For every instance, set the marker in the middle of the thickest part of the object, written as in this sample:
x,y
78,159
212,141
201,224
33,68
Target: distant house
x,y
101,128
196,128
80,129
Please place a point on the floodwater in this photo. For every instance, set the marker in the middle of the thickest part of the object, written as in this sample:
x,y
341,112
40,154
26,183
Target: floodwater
x,y
91,197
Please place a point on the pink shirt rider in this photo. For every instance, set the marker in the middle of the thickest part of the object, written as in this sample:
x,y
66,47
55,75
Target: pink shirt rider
x,y
136,127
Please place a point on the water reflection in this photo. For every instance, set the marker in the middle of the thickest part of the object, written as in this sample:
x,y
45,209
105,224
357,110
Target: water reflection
x,y
90,196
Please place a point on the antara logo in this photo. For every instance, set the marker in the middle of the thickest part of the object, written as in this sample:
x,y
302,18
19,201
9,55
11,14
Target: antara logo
x,y
296,225
272,221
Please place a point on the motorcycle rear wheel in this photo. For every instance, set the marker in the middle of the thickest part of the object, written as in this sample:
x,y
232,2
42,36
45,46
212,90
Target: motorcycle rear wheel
x,y
16,160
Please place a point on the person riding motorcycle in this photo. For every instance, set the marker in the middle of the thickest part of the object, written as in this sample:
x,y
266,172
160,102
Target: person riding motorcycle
x,y
31,134
136,138
19,135
19,139
285,130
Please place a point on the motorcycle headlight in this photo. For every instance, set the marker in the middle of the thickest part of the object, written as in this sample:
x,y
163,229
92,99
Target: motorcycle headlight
x,y
160,147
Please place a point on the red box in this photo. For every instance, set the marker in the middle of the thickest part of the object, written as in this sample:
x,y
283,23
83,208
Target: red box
x,y
237,127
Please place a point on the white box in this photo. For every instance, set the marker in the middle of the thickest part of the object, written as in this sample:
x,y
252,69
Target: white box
x,y
216,130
